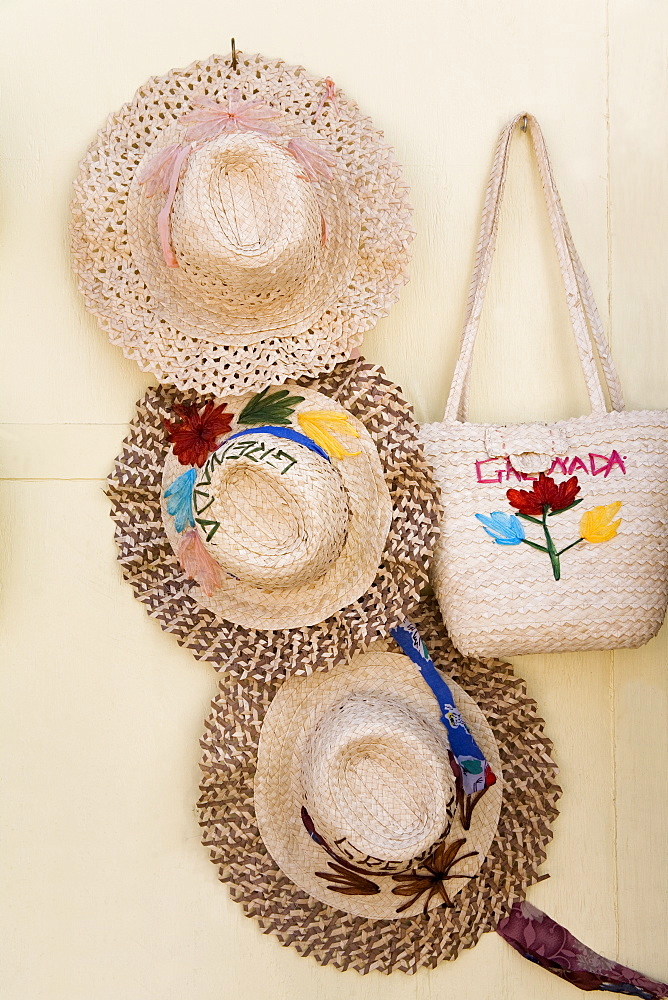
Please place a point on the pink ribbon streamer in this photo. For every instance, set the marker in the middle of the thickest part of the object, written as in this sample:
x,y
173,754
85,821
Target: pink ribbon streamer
x,y
198,564
315,162
164,224
156,174
328,97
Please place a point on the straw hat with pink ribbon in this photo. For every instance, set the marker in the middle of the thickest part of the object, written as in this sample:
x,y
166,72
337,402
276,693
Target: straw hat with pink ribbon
x,y
237,227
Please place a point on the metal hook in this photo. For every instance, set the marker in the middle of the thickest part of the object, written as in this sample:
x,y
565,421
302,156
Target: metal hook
x,y
234,55
524,121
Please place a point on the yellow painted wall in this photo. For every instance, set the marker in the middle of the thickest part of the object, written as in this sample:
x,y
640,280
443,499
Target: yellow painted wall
x,y
108,893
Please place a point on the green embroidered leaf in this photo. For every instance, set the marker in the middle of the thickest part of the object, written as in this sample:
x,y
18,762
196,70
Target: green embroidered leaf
x,y
564,509
204,523
275,409
197,493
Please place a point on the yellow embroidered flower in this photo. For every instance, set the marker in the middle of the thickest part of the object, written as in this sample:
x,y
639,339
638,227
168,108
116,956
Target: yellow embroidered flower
x,y
317,425
597,525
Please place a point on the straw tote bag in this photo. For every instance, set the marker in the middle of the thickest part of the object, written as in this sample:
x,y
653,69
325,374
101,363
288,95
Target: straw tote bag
x,y
554,535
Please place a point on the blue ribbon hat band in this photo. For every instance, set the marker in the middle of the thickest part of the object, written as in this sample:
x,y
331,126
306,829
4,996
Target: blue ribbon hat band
x,y
476,774
283,432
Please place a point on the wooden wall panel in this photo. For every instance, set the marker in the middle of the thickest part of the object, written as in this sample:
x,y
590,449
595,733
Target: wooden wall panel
x,y
108,892
639,307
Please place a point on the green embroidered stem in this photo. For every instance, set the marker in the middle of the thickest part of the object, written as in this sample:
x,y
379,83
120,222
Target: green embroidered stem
x,y
551,549
572,545
528,517
534,545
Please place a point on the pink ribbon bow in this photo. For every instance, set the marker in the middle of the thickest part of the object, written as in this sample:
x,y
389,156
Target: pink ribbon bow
x,y
208,118
328,97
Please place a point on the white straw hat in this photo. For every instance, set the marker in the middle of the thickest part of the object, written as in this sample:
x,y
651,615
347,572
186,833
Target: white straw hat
x,y
234,228
363,750
281,525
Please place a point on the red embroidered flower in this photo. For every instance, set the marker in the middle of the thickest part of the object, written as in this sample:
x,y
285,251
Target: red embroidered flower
x,y
196,436
545,493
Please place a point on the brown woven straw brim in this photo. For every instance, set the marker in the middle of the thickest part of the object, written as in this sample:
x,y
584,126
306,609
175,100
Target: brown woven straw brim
x,y
132,305
158,581
388,679
332,936
349,575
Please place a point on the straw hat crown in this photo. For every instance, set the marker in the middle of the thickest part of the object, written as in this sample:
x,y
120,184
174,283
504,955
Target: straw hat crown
x,y
230,223
238,216
285,512
377,776
278,519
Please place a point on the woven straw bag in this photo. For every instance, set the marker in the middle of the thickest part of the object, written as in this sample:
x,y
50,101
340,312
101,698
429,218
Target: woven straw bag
x,y
554,535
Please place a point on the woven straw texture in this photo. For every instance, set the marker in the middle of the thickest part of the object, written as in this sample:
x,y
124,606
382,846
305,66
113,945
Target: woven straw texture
x,y
363,748
605,584
301,542
158,581
258,298
341,939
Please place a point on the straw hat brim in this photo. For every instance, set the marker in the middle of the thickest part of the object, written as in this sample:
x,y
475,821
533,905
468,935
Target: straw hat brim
x,y
133,312
332,936
291,719
150,565
348,577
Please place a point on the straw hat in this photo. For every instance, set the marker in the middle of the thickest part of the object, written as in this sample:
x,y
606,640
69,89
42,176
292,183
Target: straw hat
x,y
323,795
363,750
290,525
361,576
235,228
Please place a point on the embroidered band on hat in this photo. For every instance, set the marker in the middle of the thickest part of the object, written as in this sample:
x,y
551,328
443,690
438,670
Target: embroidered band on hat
x,y
286,519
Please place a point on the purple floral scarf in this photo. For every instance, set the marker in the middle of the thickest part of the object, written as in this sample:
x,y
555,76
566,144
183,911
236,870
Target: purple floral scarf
x,y
542,940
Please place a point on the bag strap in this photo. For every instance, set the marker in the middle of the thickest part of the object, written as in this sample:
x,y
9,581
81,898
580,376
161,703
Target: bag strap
x,y
585,318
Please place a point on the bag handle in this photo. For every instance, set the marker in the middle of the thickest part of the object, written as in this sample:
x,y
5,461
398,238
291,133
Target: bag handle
x,y
585,318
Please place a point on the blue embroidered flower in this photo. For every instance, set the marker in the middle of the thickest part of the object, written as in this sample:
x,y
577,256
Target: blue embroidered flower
x,y
179,498
505,529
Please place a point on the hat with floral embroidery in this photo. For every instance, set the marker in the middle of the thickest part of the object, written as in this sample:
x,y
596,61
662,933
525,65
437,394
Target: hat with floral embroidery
x,y
276,505
278,532
239,223
356,798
